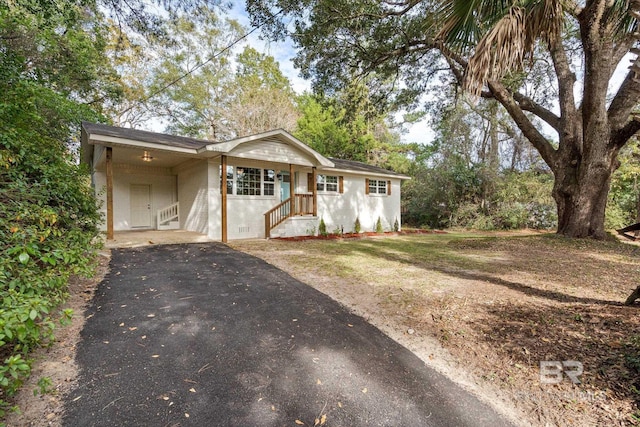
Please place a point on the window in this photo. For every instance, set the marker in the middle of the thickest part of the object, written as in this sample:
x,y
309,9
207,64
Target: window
x,y
248,181
229,179
269,182
243,181
327,183
377,186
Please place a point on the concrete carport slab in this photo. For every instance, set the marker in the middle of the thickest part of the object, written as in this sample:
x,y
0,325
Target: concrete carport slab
x,y
203,335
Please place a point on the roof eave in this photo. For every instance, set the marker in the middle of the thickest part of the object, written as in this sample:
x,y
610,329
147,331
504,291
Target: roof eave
x,y
126,142
370,173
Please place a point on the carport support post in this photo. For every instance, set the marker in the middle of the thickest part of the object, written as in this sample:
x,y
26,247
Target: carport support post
x,y
314,190
109,165
223,191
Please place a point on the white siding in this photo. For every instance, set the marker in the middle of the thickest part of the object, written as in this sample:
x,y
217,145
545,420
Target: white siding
x,y
271,151
163,192
194,200
245,214
196,185
340,210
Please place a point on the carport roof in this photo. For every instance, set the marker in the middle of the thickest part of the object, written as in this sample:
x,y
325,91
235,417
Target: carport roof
x,y
145,136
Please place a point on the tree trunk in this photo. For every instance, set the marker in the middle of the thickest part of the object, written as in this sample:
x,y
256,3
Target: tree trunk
x,y
633,297
580,191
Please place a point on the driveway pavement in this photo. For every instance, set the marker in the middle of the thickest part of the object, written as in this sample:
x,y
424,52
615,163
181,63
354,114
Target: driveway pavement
x,y
202,335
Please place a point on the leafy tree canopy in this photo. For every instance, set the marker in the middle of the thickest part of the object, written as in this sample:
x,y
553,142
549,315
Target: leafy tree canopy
x,y
489,48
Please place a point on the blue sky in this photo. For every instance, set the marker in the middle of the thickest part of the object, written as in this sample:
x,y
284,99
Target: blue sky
x,y
284,52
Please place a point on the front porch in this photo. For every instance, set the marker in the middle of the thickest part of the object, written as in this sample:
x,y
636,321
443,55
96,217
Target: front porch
x,y
135,239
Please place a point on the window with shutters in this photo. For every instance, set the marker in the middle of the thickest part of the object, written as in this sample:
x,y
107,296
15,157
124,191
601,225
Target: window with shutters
x,y
377,186
327,183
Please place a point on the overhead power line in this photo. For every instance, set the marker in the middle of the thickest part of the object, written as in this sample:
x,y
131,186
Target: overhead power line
x,y
200,65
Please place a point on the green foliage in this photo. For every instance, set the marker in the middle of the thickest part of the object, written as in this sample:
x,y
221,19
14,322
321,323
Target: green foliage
x,y
348,126
357,228
396,225
624,196
193,105
453,194
48,216
433,195
406,52
320,128
470,215
524,199
45,386
202,91
322,228
379,228
260,96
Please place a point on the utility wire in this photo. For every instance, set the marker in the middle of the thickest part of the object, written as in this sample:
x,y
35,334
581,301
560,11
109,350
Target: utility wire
x,y
198,66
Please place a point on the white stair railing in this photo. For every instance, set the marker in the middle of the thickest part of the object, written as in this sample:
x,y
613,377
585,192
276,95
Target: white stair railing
x,y
169,217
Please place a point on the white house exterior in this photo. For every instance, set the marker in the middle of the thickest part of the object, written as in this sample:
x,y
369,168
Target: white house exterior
x,y
276,185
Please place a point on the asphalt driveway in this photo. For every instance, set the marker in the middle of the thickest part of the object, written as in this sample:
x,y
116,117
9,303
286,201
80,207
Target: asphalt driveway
x,y
204,335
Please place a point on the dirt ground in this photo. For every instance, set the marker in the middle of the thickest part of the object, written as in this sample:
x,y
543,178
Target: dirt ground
x,y
56,362
483,309
486,310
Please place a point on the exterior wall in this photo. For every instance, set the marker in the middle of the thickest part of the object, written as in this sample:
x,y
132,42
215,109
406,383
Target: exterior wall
x,y
297,226
245,214
340,211
273,151
196,184
193,181
163,192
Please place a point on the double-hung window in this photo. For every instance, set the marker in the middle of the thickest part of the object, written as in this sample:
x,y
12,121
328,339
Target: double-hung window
x,y
377,186
327,183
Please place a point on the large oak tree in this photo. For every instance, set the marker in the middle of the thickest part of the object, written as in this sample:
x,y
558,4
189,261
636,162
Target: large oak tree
x,y
487,47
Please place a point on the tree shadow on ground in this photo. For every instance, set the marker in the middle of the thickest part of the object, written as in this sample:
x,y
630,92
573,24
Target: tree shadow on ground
x,y
604,339
455,263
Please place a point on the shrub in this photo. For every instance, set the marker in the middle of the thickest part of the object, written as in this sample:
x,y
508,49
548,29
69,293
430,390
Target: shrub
x,y
396,225
379,228
356,226
542,216
509,216
48,225
322,228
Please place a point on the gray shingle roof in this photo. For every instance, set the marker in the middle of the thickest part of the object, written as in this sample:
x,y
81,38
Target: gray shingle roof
x,y
362,167
196,144
146,136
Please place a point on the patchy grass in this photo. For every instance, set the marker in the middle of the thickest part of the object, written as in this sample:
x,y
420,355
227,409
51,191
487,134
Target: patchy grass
x,y
499,304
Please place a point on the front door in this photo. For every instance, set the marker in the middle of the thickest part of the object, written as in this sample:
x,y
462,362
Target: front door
x,y
285,186
140,201
285,191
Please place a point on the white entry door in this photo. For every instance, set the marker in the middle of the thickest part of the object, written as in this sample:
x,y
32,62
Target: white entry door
x,y
140,196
